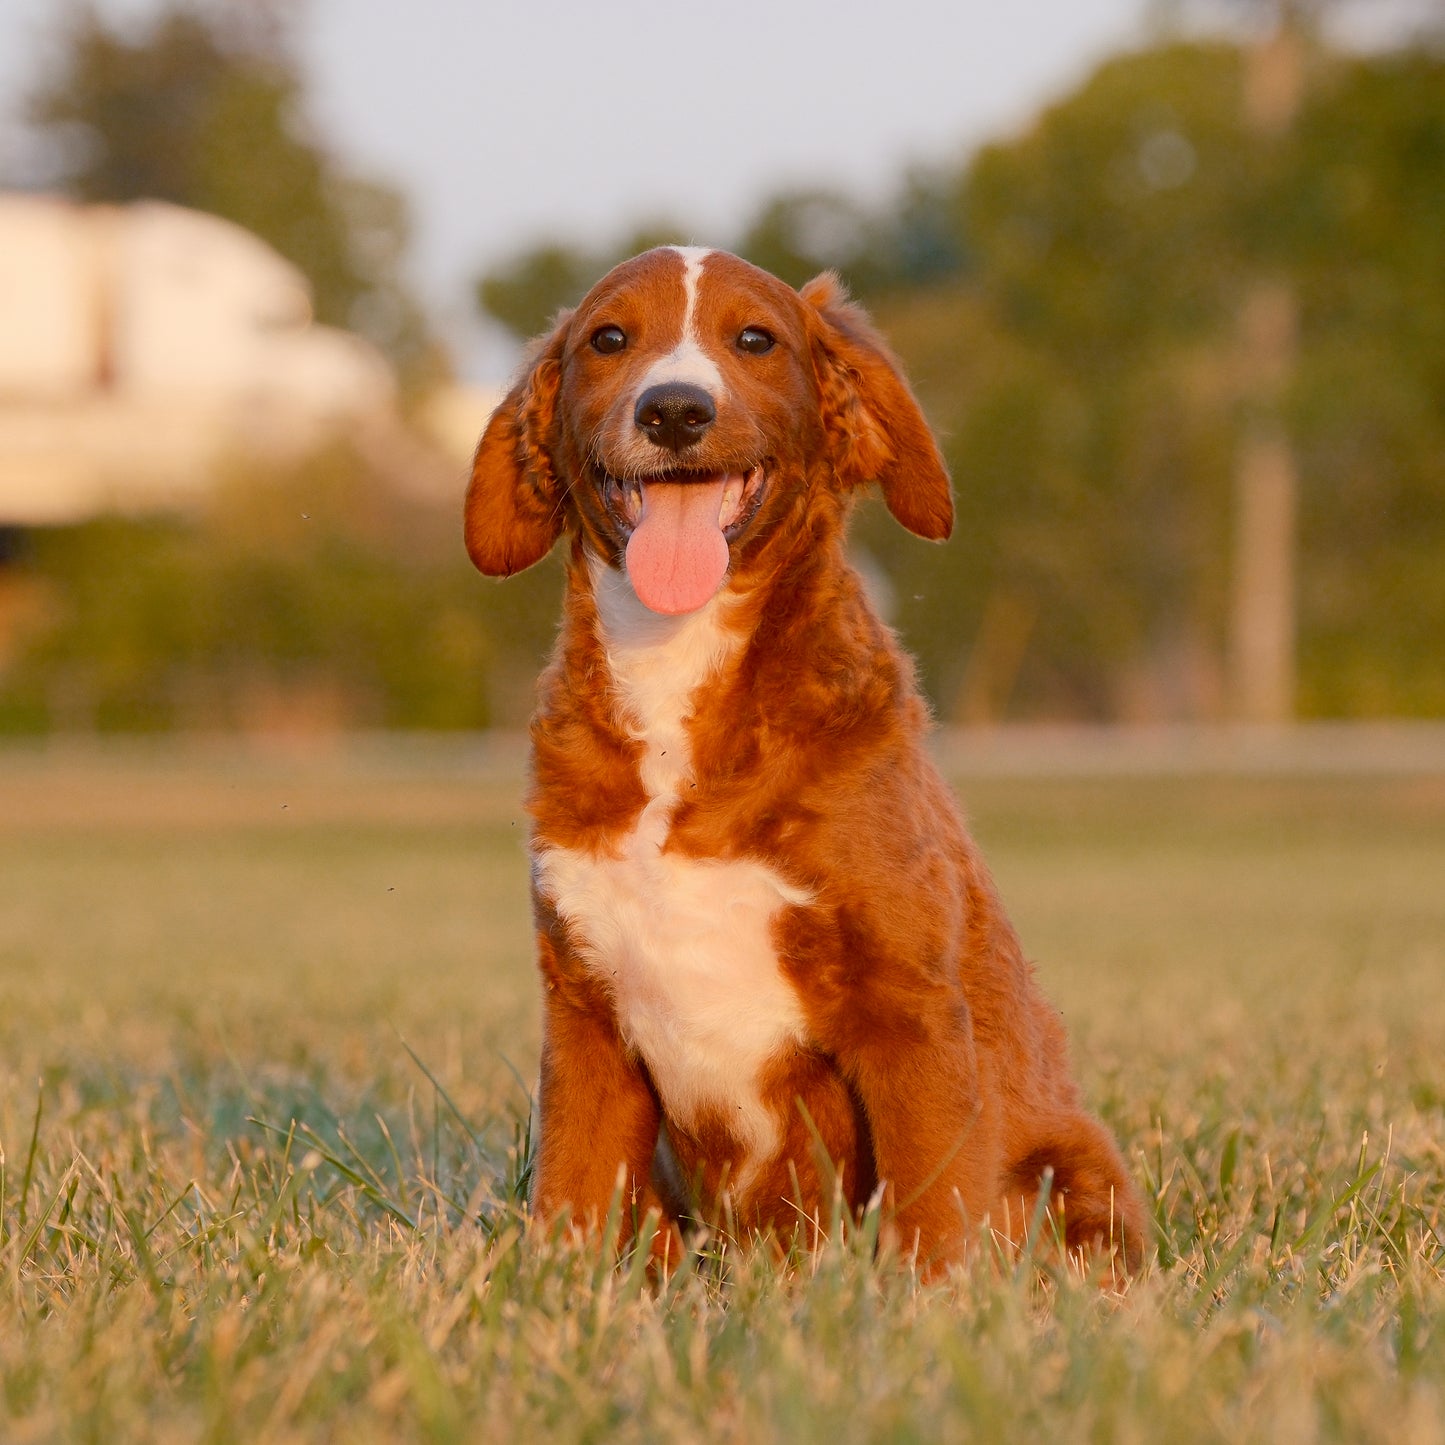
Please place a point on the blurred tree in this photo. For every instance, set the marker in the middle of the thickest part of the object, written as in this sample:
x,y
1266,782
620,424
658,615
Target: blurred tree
x,y
1368,405
925,244
1069,306
1112,248
793,235
797,235
910,242
525,294
1084,407
1090,315
206,108
306,597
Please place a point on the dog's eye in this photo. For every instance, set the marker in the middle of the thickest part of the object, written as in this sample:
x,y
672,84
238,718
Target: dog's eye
x,y
755,341
609,339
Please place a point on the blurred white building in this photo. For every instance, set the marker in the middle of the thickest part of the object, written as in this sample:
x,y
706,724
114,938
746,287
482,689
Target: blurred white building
x,y
141,345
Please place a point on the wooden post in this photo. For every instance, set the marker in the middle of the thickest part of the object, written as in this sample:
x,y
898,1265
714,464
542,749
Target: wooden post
x,y
1263,625
1262,620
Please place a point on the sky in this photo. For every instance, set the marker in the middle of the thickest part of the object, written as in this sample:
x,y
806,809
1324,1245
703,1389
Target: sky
x,y
507,124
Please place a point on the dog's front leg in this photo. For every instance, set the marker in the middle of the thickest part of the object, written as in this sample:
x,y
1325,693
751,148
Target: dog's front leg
x,y
598,1119
934,1147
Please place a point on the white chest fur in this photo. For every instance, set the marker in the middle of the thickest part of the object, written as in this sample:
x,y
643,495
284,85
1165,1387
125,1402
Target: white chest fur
x,y
684,944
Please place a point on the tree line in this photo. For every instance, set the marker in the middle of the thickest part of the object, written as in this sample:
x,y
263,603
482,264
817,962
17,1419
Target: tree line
x,y
1101,315
1086,312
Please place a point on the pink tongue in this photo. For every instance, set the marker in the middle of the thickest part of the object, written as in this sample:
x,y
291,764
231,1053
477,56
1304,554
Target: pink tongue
x,y
677,556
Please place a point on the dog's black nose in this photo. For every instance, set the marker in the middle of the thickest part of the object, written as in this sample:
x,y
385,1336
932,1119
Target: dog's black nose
x,y
674,414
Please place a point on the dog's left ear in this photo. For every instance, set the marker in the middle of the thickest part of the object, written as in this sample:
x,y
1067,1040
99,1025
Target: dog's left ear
x,y
875,425
514,510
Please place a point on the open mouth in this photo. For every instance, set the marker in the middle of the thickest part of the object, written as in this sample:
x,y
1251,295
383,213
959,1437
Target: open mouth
x,y
678,527
739,495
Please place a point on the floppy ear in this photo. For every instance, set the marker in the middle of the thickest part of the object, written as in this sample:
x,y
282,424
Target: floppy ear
x,y
514,508
875,426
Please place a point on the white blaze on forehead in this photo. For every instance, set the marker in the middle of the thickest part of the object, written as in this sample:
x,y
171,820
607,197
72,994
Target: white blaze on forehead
x,y
687,361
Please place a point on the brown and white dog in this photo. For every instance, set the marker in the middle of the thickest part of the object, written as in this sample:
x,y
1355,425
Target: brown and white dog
x,y
772,957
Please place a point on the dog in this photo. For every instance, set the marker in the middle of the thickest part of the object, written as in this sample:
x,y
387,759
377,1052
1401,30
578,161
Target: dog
x,y
775,970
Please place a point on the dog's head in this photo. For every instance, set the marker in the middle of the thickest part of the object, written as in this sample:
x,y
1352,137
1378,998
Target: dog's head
x,y
687,410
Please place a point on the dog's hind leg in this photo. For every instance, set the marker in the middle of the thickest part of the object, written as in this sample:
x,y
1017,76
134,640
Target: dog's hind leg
x,y
1090,1199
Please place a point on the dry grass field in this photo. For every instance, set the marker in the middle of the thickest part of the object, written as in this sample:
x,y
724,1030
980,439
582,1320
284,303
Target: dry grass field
x,y
267,1025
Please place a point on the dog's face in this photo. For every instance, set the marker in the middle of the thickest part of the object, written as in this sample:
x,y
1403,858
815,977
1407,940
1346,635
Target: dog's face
x,y
690,408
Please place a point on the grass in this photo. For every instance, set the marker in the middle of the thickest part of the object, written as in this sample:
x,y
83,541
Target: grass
x,y
262,1025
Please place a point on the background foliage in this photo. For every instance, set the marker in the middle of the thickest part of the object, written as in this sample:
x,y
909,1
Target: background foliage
x,y
307,598
1071,304
1068,304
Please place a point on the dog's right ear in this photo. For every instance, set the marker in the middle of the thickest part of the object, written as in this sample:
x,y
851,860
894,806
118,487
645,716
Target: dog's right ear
x,y
514,510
